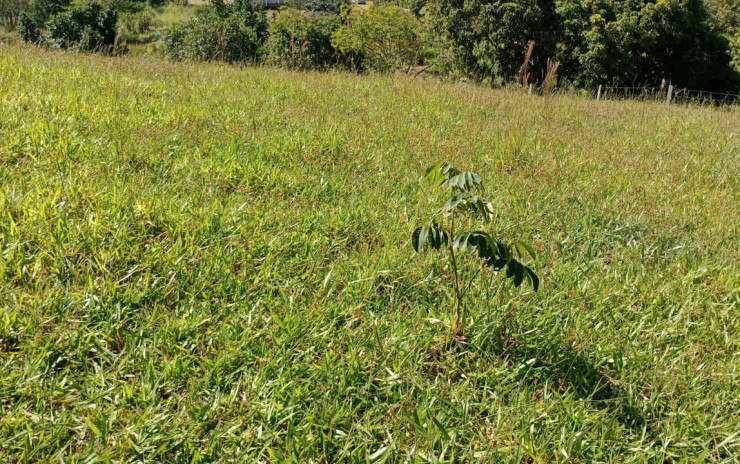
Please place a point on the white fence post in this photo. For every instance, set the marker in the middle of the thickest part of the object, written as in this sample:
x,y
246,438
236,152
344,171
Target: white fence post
x,y
598,94
670,94
530,90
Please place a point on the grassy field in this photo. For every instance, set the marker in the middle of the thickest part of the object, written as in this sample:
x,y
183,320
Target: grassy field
x,y
201,263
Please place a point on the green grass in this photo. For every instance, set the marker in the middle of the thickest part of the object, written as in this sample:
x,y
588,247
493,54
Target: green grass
x,y
201,263
7,38
172,14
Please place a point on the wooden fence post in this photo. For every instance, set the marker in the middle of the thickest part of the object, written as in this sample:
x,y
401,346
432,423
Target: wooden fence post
x,y
598,94
670,94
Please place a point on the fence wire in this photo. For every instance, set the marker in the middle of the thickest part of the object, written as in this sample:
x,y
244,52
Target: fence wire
x,y
678,96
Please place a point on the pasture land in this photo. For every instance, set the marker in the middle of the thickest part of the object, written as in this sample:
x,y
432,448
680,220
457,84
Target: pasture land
x,y
202,263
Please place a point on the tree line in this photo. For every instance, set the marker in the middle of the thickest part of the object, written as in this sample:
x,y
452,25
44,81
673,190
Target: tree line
x,y
689,43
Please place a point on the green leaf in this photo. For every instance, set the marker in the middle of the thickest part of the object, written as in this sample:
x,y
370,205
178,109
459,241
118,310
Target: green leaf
x,y
521,247
466,181
473,204
431,234
472,242
533,278
504,251
415,239
439,173
518,272
481,207
454,201
434,174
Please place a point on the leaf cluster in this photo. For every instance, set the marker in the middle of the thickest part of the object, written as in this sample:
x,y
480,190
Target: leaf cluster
x,y
492,253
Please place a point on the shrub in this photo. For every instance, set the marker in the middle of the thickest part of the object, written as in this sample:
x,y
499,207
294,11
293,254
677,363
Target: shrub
x,y
618,41
10,11
174,44
137,22
230,32
32,21
27,29
302,41
735,51
387,36
321,6
85,26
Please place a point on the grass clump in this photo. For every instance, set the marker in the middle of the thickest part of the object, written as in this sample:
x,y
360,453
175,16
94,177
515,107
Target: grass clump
x,y
200,263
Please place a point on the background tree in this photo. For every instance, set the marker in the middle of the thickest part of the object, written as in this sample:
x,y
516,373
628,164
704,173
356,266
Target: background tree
x,y
10,12
387,36
33,20
232,32
489,38
622,42
85,26
302,40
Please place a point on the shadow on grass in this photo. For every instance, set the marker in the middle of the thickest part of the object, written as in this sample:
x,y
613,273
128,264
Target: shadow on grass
x,y
548,359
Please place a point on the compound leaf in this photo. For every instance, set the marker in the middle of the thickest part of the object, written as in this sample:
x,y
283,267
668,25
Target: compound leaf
x,y
430,234
439,173
466,181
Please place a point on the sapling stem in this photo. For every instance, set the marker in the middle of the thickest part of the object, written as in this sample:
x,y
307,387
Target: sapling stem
x,y
499,256
457,326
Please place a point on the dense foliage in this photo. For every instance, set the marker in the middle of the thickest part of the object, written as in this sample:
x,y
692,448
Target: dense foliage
x,y
725,17
33,19
302,41
321,6
135,17
688,43
489,39
634,44
623,42
10,11
232,32
85,26
387,36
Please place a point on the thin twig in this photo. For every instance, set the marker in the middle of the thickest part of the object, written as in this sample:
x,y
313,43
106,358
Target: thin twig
x,y
422,70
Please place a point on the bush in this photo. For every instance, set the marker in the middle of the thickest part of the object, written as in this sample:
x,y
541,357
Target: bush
x,y
229,32
10,11
32,21
85,26
174,44
735,51
27,29
137,22
386,36
302,41
621,42
489,39
321,6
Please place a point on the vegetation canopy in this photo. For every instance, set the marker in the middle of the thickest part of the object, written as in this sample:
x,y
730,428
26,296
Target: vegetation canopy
x,y
691,44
